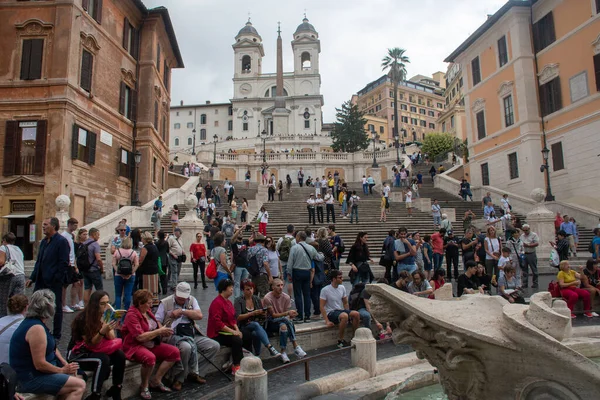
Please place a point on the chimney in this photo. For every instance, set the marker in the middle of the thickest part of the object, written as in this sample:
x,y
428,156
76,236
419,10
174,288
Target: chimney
x,y
181,103
207,101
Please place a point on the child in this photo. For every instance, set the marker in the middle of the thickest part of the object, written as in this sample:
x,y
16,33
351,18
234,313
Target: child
x,y
427,256
504,261
383,216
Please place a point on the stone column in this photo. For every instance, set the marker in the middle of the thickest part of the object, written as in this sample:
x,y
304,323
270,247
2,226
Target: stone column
x,y
253,380
62,213
364,355
541,221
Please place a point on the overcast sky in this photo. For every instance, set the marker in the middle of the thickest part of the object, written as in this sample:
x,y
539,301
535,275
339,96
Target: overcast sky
x,y
354,34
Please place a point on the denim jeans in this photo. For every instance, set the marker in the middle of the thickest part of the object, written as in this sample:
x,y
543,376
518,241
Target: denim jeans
x,y
344,207
253,336
274,325
353,212
362,279
410,268
175,270
437,261
124,289
315,292
365,188
301,282
365,317
239,274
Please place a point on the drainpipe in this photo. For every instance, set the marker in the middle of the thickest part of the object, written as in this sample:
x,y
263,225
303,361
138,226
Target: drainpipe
x,y
137,86
545,167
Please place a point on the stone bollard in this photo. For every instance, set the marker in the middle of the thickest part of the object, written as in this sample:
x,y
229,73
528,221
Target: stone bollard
x,y
364,354
62,213
252,378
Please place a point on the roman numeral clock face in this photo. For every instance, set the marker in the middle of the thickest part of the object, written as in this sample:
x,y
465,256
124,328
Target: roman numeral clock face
x,y
245,88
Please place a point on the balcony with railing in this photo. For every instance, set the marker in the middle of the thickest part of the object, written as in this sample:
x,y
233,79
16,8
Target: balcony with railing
x,y
25,165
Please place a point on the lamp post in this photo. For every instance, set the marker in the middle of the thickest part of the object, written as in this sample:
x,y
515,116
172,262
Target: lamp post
x,y
403,145
137,157
315,127
258,129
545,166
397,145
374,136
264,139
214,164
194,142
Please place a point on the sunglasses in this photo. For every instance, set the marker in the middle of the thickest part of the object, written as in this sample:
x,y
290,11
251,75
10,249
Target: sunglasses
x,y
122,230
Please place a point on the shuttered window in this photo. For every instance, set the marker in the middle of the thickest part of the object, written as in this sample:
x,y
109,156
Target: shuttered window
x,y
513,166
166,76
93,8
130,39
476,71
543,33
158,58
83,145
485,174
480,125
126,163
25,148
164,128
509,114
558,162
31,59
597,70
156,115
87,63
128,102
502,51
550,97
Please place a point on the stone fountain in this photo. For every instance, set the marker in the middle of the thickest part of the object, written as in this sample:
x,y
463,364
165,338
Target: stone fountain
x,y
487,348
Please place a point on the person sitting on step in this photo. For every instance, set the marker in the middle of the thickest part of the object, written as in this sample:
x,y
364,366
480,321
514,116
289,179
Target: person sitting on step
x,y
335,308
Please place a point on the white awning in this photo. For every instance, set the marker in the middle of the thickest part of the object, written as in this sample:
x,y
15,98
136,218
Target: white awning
x,y
18,216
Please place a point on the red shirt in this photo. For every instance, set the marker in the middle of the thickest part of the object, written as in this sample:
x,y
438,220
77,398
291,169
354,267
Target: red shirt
x,y
436,286
198,250
220,313
437,242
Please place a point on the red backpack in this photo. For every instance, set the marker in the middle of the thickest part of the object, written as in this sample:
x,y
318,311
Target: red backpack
x,y
554,289
211,269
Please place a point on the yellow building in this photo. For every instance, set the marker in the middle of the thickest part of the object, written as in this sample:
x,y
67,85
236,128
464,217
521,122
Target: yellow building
x,y
531,79
453,120
421,99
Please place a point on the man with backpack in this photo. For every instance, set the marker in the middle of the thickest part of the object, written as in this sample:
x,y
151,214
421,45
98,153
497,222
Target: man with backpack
x,y
92,269
228,230
354,199
283,247
337,245
258,266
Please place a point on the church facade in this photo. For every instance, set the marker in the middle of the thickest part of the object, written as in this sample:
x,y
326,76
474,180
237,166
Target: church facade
x,y
255,93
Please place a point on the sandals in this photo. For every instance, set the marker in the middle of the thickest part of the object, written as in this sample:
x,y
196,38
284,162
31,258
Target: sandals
x,y
145,394
160,388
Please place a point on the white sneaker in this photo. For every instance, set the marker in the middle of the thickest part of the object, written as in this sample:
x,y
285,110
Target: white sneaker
x,y
80,304
595,314
299,352
67,309
76,307
284,358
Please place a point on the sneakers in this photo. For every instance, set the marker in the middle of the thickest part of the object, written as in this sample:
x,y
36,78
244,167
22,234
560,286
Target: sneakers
x,y
81,305
228,364
67,309
307,320
298,320
342,343
589,314
573,316
299,352
284,357
234,369
76,307
273,351
595,314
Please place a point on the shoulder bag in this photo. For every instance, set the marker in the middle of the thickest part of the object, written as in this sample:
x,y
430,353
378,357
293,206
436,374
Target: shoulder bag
x,y
9,268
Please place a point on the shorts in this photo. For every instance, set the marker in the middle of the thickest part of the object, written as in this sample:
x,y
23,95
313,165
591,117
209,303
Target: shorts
x,y
92,278
43,384
408,204
334,316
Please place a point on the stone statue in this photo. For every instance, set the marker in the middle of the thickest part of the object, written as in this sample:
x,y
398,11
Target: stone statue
x,y
486,348
62,213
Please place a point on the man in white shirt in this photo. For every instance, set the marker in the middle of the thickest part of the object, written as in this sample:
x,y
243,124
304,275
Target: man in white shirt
x,y
310,206
284,254
329,201
335,308
181,310
386,194
365,185
436,212
77,284
174,258
319,205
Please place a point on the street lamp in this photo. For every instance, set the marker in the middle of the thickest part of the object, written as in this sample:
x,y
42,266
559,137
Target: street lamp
x,y
264,139
545,166
258,129
397,145
403,136
315,127
137,157
194,142
374,136
214,164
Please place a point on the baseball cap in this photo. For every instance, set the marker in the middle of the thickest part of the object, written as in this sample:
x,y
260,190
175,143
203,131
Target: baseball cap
x,y
177,230
183,290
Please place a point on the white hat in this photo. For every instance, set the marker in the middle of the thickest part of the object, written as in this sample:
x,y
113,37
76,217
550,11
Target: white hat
x,y
183,290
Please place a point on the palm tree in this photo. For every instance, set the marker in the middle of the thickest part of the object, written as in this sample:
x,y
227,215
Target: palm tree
x,y
394,62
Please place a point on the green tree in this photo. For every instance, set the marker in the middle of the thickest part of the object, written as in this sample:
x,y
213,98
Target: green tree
x,y
349,134
395,63
436,144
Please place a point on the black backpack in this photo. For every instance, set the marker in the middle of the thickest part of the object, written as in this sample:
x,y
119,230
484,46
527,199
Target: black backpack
x,y
125,266
591,247
253,267
240,255
8,381
354,299
83,257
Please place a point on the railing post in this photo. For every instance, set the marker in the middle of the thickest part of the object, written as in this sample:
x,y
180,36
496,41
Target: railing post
x,y
252,378
364,351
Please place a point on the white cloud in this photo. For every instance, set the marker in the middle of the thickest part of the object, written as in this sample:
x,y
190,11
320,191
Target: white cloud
x,y
354,34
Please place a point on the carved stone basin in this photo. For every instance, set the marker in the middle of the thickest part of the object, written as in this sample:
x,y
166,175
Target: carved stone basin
x,y
487,348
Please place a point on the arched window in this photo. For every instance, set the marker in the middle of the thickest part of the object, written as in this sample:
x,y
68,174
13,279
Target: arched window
x,y
203,119
202,134
189,141
273,92
176,142
246,64
305,59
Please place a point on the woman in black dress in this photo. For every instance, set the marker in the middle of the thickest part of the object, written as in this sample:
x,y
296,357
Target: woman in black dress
x,y
149,266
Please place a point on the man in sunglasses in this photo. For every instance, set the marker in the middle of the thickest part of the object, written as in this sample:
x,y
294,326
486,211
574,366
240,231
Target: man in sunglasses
x,y
117,240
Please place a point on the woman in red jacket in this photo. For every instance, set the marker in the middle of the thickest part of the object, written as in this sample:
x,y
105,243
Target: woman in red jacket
x,y
142,343
198,257
222,324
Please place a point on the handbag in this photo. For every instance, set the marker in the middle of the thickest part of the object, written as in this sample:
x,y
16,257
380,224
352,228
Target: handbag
x,y
211,269
185,329
10,265
182,258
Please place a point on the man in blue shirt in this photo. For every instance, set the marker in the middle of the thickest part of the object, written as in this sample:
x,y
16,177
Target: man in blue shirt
x,y
405,252
487,210
51,268
571,230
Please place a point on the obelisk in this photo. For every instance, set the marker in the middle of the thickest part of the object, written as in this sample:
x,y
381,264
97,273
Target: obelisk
x,y
280,113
